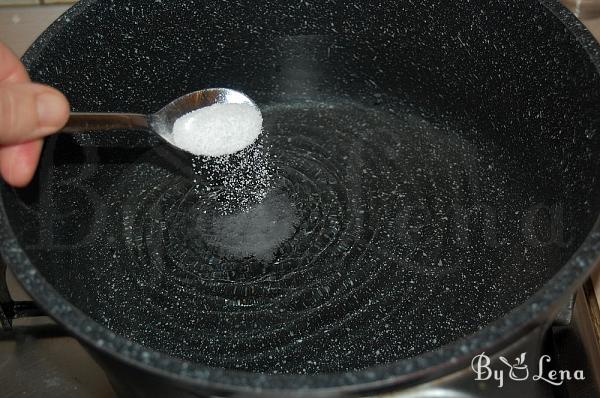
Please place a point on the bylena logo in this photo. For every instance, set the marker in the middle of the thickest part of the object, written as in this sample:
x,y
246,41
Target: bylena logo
x,y
519,371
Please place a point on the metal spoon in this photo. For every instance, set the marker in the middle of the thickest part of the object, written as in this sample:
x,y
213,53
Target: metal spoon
x,y
159,123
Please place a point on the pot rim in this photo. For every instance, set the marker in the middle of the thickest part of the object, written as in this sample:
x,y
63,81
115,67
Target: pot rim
x,y
536,311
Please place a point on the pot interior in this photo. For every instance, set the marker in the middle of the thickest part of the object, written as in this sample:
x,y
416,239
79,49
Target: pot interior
x,y
432,167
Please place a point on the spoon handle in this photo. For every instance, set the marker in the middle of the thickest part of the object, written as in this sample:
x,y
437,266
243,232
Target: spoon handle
x,y
86,122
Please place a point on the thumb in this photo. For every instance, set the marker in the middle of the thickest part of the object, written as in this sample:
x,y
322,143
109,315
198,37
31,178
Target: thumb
x,y
29,111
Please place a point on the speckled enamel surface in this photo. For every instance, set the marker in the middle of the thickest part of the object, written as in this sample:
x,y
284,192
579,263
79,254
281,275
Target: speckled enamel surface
x,y
494,70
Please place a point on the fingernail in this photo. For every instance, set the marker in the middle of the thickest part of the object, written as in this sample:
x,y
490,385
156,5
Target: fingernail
x,y
50,110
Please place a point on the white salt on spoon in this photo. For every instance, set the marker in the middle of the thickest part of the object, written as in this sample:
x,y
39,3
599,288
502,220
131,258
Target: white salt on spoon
x,y
218,130
214,122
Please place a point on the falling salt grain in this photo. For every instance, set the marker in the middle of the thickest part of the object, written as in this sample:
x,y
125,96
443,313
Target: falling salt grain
x,y
218,130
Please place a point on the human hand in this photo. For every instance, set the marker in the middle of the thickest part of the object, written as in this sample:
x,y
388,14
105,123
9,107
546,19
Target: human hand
x,y
28,112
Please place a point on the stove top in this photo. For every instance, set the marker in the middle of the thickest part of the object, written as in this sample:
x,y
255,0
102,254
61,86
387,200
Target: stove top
x,y
40,363
38,359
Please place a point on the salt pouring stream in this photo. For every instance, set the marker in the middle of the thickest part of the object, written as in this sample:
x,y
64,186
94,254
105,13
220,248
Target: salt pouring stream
x,y
160,123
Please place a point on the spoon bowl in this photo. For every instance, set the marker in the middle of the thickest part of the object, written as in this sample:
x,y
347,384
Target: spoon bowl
x,y
159,123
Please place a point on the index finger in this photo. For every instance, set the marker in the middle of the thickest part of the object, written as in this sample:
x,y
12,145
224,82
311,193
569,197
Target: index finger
x,y
11,68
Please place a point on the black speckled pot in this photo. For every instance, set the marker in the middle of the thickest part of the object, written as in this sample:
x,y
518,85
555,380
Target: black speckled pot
x,y
488,66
